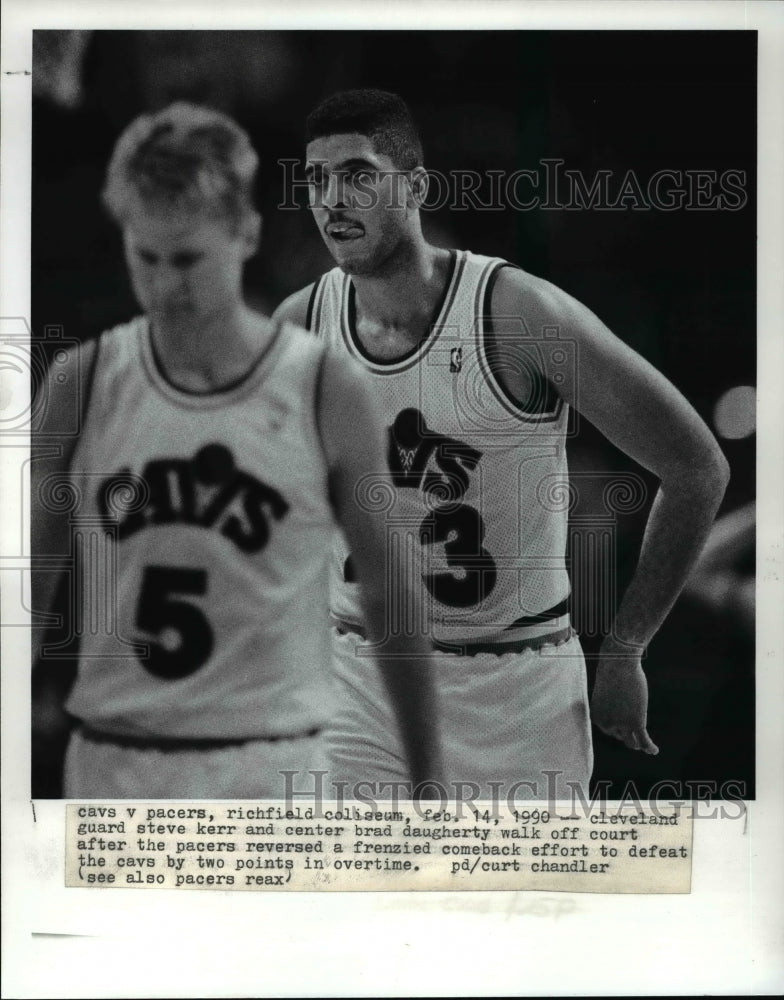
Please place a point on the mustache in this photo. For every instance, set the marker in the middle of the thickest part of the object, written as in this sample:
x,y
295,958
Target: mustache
x,y
341,218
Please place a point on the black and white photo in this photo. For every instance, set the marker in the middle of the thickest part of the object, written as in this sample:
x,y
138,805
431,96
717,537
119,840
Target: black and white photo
x,y
390,421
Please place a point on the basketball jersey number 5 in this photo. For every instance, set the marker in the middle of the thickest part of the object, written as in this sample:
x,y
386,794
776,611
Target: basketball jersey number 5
x,y
164,611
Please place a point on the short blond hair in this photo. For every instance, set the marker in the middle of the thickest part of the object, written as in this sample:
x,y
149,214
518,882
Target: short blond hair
x,y
184,158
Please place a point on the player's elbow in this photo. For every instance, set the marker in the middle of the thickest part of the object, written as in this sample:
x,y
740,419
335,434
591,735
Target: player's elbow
x,y
716,470
722,472
705,476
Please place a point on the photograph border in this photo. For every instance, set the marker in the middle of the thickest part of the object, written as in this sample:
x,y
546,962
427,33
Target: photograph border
x,y
723,938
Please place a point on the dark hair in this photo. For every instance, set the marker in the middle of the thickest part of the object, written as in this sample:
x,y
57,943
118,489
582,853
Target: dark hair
x,y
383,117
184,157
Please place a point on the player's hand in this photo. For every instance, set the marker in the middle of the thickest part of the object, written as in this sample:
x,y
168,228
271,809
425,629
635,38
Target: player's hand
x,y
619,705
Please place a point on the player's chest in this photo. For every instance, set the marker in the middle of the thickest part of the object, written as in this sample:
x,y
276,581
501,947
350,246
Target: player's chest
x,y
235,472
443,399
430,448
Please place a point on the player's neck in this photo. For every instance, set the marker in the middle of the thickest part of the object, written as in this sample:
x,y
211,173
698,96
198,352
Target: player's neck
x,y
400,299
208,356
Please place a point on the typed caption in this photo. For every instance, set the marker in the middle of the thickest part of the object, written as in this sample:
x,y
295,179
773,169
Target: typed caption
x,y
277,846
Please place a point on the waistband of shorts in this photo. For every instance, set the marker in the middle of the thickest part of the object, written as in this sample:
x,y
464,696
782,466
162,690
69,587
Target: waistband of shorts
x,y
175,744
498,647
501,647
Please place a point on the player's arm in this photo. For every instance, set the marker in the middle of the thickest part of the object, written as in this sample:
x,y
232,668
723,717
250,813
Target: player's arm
x,y
645,416
353,441
295,308
51,453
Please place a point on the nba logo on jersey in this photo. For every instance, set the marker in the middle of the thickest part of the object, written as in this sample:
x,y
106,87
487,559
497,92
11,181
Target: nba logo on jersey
x,y
456,359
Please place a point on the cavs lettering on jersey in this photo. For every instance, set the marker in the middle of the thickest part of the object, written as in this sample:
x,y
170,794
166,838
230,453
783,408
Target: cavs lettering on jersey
x,y
203,531
479,513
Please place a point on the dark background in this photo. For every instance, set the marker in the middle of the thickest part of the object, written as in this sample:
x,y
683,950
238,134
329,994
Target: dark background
x,y
677,286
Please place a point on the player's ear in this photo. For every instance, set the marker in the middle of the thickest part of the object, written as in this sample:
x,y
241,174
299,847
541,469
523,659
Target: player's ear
x,y
251,233
419,186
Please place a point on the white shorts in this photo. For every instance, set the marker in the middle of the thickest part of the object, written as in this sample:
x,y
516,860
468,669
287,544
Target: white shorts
x,y
248,770
503,719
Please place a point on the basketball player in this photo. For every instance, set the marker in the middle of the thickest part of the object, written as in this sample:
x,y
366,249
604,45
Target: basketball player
x,y
217,448
474,365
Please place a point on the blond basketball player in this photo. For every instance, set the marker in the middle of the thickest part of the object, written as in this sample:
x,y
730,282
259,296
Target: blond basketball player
x,y
218,449
474,366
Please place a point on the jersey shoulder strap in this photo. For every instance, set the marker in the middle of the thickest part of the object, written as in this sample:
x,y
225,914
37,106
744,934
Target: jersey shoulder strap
x,y
515,348
325,299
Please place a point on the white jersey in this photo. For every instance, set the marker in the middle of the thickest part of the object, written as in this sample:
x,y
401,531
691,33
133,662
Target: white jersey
x,y
480,508
204,533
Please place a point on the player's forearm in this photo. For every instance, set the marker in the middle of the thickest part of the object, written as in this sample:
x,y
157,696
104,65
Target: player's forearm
x,y
678,525
44,586
47,540
410,687
405,663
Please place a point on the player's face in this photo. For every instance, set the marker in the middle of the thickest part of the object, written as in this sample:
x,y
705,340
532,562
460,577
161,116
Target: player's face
x,y
359,201
186,267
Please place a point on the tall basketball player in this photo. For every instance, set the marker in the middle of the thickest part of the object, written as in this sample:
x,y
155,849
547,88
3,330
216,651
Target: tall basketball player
x,y
217,450
474,365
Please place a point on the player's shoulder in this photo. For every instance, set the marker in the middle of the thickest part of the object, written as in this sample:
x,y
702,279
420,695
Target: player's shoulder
x,y
82,354
296,308
301,348
77,361
68,369
508,282
514,286
302,308
541,303
115,345
128,327
64,388
74,358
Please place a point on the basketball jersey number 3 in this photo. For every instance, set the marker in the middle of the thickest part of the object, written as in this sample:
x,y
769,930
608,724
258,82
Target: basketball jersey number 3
x,y
462,531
